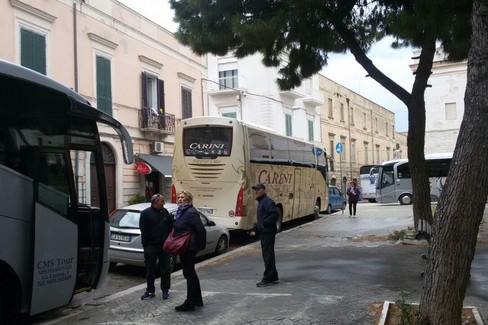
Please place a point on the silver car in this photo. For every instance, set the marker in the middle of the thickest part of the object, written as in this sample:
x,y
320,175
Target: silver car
x,y
125,236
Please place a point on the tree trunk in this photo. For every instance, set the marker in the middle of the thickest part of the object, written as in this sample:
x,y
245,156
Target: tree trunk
x,y
422,212
461,206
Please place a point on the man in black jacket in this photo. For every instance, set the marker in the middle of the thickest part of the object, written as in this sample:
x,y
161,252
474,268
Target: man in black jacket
x,y
267,216
155,224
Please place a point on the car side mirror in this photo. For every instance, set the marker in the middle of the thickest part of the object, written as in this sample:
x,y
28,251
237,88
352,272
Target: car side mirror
x,y
211,223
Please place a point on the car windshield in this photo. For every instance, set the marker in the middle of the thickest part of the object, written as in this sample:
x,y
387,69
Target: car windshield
x,y
125,219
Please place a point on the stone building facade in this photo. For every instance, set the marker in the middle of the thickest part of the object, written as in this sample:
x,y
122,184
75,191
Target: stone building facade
x,y
124,64
364,129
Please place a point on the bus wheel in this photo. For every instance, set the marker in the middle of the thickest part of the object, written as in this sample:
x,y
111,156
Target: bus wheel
x,y
316,210
279,222
222,245
405,199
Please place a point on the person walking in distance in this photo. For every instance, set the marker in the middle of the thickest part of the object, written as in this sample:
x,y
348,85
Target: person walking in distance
x,y
265,228
353,193
155,224
187,218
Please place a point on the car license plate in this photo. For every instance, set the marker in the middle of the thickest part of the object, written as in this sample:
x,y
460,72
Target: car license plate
x,y
206,211
119,237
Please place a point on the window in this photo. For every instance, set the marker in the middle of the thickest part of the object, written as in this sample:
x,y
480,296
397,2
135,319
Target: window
x,y
393,131
33,50
376,124
387,129
342,112
288,125
365,121
388,156
104,85
366,157
153,94
353,151
331,146
228,79
331,107
186,102
450,111
310,130
352,116
230,114
377,153
343,141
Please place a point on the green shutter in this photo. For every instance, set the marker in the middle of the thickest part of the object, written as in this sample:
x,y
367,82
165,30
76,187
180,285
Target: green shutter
x,y
104,87
33,50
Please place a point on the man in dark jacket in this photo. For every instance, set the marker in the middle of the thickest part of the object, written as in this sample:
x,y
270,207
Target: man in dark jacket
x,y
156,223
267,216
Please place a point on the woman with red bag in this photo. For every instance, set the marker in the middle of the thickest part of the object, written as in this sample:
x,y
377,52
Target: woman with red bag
x,y
187,218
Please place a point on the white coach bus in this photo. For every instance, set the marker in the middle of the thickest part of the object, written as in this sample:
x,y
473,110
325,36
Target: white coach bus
x,y
54,231
394,182
219,159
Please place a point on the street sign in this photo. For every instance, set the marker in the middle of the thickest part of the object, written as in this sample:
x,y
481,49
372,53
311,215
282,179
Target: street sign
x,y
339,148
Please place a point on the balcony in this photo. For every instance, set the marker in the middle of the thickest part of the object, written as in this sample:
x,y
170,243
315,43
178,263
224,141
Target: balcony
x,y
150,121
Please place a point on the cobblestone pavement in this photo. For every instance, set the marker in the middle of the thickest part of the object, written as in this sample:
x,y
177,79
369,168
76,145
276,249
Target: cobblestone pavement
x,y
334,270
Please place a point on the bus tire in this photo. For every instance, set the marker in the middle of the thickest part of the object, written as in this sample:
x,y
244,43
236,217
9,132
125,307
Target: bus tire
x,y
316,210
405,199
8,300
279,222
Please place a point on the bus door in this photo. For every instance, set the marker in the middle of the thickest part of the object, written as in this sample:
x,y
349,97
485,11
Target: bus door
x,y
298,193
385,186
55,236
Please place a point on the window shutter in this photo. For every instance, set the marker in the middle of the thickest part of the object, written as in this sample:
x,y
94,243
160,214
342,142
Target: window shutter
x,y
144,90
33,51
186,102
161,102
104,91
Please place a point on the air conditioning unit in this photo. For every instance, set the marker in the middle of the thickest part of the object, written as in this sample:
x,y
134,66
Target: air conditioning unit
x,y
157,146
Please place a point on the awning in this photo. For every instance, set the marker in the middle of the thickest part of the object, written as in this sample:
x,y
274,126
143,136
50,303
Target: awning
x,y
161,163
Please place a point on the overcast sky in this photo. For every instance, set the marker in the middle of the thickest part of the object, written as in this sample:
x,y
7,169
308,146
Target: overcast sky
x,y
343,69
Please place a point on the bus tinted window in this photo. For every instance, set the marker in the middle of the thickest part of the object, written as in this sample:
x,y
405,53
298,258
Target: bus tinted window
x,y
438,168
403,171
207,142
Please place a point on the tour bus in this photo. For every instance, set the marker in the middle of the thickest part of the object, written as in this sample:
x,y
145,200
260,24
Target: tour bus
x,y
367,179
394,182
54,243
219,159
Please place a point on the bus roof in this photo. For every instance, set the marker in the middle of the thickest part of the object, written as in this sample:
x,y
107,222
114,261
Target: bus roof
x,y
81,108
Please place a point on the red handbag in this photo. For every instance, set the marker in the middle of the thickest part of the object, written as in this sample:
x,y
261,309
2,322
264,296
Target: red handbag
x,y
177,245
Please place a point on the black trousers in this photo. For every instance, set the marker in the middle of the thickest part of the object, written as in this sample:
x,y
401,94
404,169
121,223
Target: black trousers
x,y
155,258
193,290
352,208
267,245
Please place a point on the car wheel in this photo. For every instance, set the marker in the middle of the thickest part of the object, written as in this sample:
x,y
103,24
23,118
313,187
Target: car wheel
x,y
329,209
405,199
222,245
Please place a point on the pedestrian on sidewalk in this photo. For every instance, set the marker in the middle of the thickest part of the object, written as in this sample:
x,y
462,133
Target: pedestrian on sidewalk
x,y
187,218
354,194
265,228
155,224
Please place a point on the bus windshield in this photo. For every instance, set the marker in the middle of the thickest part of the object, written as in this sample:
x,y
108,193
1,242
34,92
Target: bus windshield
x,y
207,142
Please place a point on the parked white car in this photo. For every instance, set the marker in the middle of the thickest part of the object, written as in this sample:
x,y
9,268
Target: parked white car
x,y
125,236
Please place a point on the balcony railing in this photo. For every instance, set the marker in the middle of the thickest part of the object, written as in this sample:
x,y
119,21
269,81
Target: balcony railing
x,y
153,122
